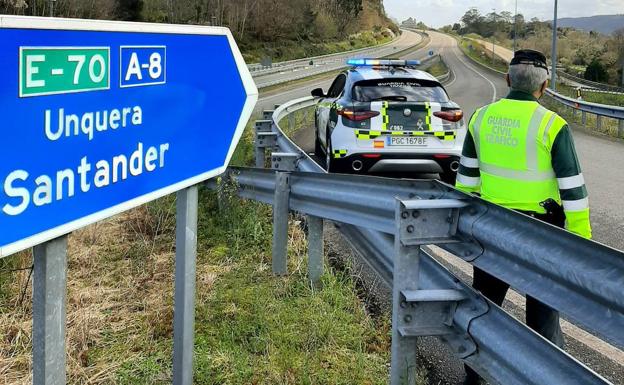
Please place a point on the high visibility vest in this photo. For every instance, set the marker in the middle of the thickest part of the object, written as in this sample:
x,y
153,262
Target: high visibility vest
x,y
513,139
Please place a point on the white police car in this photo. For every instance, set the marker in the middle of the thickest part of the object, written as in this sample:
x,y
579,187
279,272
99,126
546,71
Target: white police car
x,y
385,116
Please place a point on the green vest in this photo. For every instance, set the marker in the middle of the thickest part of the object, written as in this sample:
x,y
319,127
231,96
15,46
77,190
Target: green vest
x,y
513,139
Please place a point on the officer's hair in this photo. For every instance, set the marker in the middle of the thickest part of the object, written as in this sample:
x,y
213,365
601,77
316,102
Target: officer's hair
x,y
526,77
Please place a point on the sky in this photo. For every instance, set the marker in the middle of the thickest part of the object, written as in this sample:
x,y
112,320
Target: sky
x,y
437,13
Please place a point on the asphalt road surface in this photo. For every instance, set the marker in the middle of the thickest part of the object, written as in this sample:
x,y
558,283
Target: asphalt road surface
x,y
600,157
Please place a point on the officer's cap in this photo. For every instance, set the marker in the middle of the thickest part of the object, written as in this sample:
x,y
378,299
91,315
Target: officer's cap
x,y
531,57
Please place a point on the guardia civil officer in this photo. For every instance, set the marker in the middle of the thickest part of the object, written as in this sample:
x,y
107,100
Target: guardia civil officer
x,y
520,155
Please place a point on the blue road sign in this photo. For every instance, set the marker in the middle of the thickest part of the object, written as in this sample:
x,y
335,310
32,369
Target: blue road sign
x,y
98,117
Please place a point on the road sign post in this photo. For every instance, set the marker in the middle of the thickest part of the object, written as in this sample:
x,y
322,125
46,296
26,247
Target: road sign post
x,y
49,304
184,298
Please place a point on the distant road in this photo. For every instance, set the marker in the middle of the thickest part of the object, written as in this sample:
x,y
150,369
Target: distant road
x,y
504,53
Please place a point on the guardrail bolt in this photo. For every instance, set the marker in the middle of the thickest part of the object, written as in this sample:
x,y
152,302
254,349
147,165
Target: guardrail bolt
x,y
403,304
407,318
410,229
467,253
404,215
415,214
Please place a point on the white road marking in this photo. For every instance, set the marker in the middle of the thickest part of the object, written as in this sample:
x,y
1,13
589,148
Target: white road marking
x,y
477,72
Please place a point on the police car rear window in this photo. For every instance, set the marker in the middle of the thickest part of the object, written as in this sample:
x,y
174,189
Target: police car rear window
x,y
408,90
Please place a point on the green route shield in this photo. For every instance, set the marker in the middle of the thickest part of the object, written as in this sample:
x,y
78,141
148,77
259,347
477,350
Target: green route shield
x,y
61,70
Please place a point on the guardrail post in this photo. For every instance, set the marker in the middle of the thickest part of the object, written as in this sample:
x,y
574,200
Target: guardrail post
x,y
291,122
279,259
584,118
284,163
315,249
417,312
184,297
621,127
599,122
264,139
49,317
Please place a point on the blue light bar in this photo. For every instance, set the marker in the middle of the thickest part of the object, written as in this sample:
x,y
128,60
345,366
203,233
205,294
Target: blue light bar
x,y
382,62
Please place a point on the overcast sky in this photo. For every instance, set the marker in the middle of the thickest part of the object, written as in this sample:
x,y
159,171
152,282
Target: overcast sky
x,y
437,13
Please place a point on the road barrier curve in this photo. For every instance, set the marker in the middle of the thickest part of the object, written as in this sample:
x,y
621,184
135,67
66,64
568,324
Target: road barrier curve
x,y
383,219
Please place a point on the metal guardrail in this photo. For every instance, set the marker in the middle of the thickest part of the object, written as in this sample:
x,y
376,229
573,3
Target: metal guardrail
x,y
383,219
257,69
332,65
597,91
339,66
599,110
589,83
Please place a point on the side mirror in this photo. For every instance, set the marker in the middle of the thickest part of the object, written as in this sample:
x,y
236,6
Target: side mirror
x,y
318,93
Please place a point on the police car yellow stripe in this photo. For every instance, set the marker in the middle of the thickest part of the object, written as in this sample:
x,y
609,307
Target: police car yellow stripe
x,y
339,153
368,134
384,116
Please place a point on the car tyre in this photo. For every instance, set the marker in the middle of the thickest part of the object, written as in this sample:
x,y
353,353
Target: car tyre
x,y
318,150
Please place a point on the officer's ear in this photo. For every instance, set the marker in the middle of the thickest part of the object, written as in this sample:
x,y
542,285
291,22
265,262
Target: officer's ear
x,y
508,80
544,86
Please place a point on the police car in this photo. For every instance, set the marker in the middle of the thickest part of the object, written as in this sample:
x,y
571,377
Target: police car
x,y
385,116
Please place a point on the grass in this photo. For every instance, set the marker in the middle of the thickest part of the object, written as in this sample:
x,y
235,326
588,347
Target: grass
x,y
251,327
289,50
439,68
478,53
589,96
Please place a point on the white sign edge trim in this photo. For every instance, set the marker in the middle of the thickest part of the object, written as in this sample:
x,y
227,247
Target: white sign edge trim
x,y
252,96
32,22
26,22
58,231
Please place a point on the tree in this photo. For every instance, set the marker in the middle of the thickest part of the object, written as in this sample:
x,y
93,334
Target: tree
x,y
596,72
129,10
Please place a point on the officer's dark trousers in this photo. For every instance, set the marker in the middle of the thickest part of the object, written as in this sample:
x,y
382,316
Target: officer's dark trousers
x,y
539,317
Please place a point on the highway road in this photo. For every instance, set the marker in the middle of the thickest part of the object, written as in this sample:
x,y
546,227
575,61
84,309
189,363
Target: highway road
x,y
471,87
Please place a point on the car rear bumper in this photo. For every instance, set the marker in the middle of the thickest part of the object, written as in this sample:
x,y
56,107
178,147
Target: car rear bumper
x,y
396,162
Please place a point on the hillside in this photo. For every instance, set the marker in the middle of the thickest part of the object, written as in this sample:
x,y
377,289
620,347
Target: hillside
x,y
606,24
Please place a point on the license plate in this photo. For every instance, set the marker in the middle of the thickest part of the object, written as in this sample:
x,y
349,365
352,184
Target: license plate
x,y
407,141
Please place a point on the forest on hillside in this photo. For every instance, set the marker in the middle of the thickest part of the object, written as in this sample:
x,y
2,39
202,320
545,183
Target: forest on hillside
x,y
255,23
595,56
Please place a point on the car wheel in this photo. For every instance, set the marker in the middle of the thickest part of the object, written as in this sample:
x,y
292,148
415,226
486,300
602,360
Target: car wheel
x,y
318,150
448,177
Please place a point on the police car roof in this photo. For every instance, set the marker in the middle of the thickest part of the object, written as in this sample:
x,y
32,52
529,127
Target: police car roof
x,y
372,73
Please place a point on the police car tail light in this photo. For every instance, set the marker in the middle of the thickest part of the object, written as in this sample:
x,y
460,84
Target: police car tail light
x,y
357,116
451,116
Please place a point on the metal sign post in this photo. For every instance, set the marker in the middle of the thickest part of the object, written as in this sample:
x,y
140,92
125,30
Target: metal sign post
x,y
49,299
184,299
